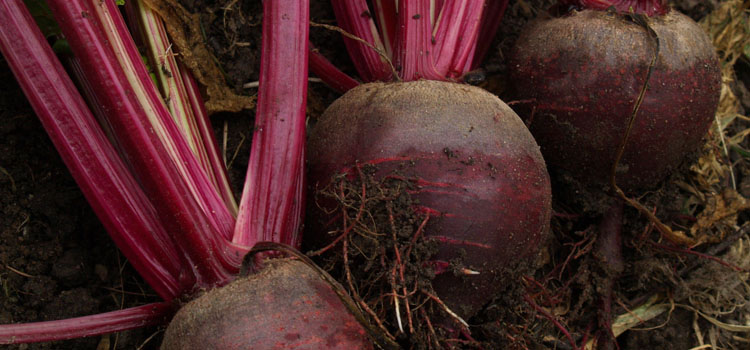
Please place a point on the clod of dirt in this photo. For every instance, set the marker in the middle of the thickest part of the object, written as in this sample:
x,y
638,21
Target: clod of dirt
x,y
70,269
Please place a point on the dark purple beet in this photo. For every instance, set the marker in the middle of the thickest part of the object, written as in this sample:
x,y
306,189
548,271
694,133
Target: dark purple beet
x,y
478,171
583,72
284,306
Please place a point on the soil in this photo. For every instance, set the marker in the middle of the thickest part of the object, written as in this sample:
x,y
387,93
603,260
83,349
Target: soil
x,y
56,260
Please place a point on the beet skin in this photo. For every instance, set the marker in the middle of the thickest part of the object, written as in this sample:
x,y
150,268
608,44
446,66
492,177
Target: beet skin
x,y
478,172
284,306
580,75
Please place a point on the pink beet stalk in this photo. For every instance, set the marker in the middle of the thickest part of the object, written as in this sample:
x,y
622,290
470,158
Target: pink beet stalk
x,y
465,47
448,31
385,14
644,7
186,217
178,147
104,179
108,322
413,52
330,75
355,17
178,91
216,164
156,201
271,206
422,39
456,40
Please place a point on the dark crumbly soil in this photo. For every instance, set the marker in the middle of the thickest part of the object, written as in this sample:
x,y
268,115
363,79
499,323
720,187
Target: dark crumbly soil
x,y
56,261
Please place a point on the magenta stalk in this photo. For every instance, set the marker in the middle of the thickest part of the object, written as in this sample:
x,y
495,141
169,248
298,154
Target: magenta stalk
x,y
103,178
79,327
210,257
271,206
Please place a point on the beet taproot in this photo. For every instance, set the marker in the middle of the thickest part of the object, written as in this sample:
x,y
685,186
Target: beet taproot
x,y
286,305
475,167
579,76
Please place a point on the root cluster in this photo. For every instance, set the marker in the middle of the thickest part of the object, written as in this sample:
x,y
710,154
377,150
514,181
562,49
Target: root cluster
x,y
377,248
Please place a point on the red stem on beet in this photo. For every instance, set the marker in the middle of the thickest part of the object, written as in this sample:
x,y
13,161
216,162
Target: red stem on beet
x,y
203,121
385,15
189,168
465,45
185,107
329,73
199,182
211,258
104,179
448,32
643,7
413,50
354,17
272,202
425,39
115,321
158,220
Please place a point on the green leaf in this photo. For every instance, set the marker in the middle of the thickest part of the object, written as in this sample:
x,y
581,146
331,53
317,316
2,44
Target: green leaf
x,y
744,153
46,22
62,48
120,2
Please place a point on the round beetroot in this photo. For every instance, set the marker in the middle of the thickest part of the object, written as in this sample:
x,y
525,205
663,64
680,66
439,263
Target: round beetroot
x,y
284,306
581,74
477,169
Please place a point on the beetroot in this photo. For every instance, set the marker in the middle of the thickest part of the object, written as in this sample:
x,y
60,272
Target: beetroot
x,y
476,168
284,306
581,74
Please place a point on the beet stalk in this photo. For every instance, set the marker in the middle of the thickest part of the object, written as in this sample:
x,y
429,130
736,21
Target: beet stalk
x,y
103,177
171,222
285,305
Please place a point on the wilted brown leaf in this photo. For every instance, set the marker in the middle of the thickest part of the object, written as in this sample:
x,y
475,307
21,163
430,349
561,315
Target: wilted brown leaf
x,y
720,216
184,30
